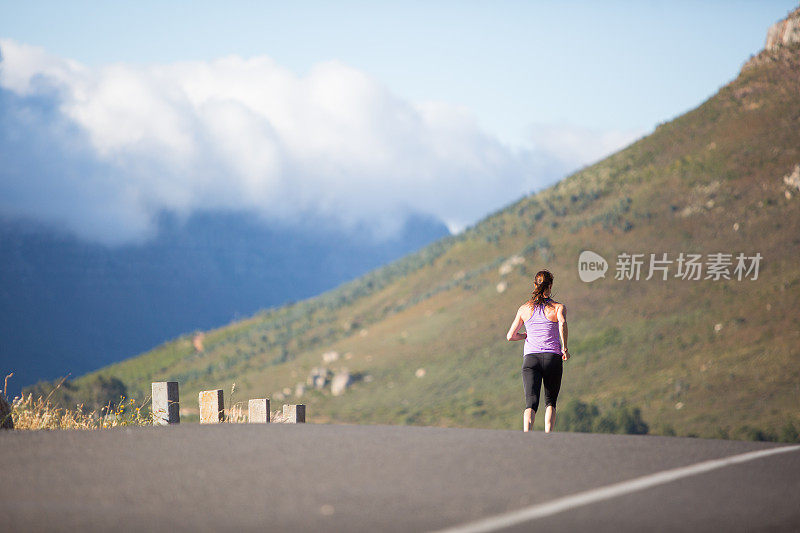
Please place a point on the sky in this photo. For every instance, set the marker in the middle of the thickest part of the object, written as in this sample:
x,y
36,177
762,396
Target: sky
x,y
356,112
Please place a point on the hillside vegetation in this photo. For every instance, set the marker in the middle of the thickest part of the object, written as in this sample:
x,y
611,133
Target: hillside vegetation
x,y
712,358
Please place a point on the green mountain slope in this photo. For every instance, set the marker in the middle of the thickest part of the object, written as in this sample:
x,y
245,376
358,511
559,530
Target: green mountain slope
x,y
708,357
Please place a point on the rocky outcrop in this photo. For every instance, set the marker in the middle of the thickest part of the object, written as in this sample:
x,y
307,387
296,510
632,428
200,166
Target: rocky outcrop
x,y
321,377
785,32
508,265
197,342
792,180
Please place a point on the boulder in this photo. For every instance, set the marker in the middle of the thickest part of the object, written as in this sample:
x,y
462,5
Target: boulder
x,y
318,377
330,357
793,178
340,382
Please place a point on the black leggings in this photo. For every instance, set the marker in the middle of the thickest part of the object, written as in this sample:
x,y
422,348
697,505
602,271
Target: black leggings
x,y
538,367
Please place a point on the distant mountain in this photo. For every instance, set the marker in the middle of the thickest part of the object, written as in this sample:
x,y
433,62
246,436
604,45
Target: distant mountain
x,y
69,307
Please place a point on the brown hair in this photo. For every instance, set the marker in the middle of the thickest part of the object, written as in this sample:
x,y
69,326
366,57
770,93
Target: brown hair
x,y
542,281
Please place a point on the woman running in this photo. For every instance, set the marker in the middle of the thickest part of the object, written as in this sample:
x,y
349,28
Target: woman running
x,y
545,336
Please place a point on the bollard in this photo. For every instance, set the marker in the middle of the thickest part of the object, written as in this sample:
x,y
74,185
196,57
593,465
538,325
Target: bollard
x,y
294,414
212,407
166,405
258,411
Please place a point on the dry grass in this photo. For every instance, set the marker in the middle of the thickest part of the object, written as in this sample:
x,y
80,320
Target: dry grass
x,y
236,414
31,413
277,418
38,413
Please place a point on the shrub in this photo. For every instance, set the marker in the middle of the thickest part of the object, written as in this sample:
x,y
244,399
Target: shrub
x,y
94,394
6,420
756,434
623,418
587,418
578,416
789,433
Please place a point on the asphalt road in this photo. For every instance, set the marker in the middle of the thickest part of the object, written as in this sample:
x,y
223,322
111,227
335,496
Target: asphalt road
x,y
280,477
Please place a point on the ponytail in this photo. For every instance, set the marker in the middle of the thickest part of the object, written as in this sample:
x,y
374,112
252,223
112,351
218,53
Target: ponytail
x,y
542,282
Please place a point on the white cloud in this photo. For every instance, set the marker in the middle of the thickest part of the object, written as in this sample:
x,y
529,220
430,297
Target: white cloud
x,y
124,142
569,144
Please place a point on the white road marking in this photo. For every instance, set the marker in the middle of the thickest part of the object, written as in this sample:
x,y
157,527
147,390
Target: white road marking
x,y
559,505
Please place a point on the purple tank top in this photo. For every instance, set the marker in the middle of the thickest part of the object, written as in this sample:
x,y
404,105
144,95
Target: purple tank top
x,y
542,334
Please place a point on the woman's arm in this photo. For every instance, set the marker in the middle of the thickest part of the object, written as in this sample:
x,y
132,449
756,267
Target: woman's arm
x,y
513,332
562,330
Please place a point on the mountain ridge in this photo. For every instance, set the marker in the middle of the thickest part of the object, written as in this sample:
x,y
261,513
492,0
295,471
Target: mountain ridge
x,y
72,306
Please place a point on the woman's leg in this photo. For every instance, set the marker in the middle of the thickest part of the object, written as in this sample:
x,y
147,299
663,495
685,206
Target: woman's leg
x,y
531,383
549,418
553,369
527,419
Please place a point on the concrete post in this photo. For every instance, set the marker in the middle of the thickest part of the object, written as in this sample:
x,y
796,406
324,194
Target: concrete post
x,y
165,403
294,414
212,407
258,411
